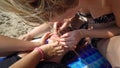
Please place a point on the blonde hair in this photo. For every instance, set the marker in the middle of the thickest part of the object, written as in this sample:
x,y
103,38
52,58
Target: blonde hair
x,y
37,10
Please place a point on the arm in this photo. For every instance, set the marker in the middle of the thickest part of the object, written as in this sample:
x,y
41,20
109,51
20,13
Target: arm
x,y
33,58
29,61
114,5
36,31
73,37
101,33
40,30
8,45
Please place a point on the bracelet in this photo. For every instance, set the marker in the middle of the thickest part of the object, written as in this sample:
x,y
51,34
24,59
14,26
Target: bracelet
x,y
40,51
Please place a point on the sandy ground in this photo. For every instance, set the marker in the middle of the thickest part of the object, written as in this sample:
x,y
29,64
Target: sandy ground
x,y
12,26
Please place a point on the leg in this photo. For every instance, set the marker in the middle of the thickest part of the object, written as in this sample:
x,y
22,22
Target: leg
x,y
110,48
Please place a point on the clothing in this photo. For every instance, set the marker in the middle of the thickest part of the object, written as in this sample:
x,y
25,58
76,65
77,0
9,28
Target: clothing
x,y
14,58
89,57
102,19
9,61
46,64
89,53
107,18
101,22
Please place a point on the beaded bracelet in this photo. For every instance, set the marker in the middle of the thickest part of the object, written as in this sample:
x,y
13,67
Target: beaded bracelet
x,y
40,51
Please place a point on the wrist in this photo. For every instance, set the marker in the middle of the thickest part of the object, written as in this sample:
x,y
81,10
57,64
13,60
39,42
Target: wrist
x,y
30,35
37,44
83,33
40,51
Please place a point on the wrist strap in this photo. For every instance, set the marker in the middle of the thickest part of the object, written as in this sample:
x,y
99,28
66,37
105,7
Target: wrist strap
x,y
40,51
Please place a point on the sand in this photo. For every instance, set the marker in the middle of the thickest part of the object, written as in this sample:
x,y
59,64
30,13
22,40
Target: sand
x,y
12,26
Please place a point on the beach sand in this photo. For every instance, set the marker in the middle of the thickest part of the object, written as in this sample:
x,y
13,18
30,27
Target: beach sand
x,y
12,26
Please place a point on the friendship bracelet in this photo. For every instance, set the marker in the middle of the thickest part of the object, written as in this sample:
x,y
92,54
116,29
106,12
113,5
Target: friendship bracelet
x,y
40,51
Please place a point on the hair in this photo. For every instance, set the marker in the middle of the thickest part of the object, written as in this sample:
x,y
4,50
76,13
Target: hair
x,y
38,10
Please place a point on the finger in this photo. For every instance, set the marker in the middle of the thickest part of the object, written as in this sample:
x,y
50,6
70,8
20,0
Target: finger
x,y
65,35
67,44
69,39
21,37
54,44
64,25
64,39
24,38
55,27
63,43
60,52
58,48
45,37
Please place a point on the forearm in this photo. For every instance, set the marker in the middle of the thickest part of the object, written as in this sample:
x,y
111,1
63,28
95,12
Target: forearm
x,y
29,61
101,33
39,30
12,45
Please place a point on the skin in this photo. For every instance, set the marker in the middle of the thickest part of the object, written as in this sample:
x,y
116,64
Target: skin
x,y
96,8
15,45
33,58
108,47
35,32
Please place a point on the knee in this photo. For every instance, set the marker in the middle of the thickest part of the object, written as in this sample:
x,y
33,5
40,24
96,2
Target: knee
x,y
113,50
110,48
113,45
113,58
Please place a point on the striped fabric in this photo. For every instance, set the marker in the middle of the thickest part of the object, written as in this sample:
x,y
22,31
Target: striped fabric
x,y
89,58
1,58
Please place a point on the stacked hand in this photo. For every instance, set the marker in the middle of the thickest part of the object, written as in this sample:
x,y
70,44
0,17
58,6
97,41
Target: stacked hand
x,y
70,38
52,48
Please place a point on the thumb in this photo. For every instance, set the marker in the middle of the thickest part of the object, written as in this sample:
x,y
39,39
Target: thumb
x,y
45,37
55,27
65,24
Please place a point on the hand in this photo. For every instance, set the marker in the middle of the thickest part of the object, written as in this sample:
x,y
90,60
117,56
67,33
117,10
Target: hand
x,y
45,37
76,23
53,38
61,27
43,40
71,39
26,37
53,49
